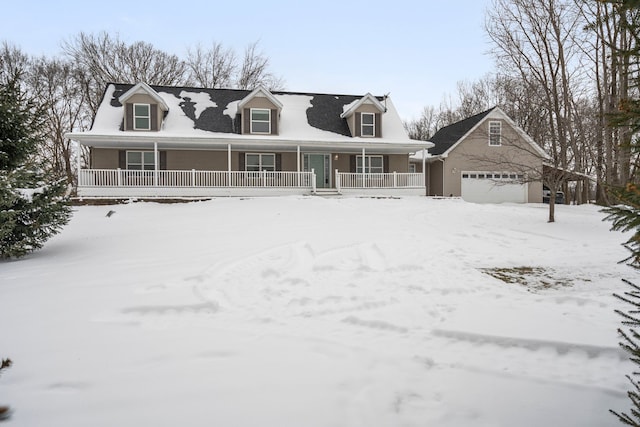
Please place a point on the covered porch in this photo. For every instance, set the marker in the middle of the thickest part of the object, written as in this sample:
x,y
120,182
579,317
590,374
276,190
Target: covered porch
x,y
240,168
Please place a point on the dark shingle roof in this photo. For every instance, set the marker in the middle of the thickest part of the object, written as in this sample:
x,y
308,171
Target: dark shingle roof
x,y
324,113
446,137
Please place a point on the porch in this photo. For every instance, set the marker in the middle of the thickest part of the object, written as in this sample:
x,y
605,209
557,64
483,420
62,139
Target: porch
x,y
204,183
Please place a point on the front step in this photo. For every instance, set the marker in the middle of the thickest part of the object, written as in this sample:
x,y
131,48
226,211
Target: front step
x,y
326,192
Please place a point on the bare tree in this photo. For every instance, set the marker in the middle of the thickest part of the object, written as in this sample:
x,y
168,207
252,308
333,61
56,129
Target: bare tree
x,y
212,68
254,71
424,126
56,85
13,62
105,59
536,41
607,50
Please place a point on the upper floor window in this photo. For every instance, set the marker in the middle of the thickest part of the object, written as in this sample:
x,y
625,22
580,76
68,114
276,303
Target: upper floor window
x,y
141,160
368,124
372,164
495,131
260,162
141,116
260,120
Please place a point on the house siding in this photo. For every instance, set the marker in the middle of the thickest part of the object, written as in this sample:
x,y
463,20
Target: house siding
x,y
434,170
198,160
104,158
108,158
475,154
398,163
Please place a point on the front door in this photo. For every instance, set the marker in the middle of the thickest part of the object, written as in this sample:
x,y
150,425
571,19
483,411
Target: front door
x,y
320,165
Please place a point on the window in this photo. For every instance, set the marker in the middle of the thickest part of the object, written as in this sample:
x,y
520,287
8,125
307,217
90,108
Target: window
x,y
260,120
373,164
495,176
141,160
412,168
368,124
495,130
260,162
141,117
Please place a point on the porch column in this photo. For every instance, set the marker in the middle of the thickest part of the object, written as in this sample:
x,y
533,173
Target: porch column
x,y
298,163
78,154
155,164
424,170
229,165
363,167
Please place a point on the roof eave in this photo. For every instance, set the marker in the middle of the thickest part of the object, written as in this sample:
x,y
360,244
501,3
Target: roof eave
x,y
267,95
111,139
361,101
146,88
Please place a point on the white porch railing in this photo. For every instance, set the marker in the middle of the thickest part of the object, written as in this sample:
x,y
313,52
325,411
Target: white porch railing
x,y
379,180
193,178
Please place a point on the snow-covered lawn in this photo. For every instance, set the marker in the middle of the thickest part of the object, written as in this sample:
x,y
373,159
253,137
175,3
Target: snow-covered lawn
x,y
305,311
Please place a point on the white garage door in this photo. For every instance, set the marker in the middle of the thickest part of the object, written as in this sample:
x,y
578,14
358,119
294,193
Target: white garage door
x,y
493,187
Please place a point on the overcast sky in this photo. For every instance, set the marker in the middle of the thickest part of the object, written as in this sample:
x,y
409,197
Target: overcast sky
x,y
415,50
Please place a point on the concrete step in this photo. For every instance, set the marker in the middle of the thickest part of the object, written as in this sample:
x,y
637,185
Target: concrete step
x,y
326,192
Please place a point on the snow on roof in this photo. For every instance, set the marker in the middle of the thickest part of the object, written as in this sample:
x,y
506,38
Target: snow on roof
x,y
202,101
213,113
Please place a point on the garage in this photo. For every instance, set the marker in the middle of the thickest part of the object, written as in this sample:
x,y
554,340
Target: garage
x,y
493,187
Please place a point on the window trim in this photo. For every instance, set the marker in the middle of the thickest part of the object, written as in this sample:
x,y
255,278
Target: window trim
x,y
371,125
260,163
497,134
251,121
142,162
367,166
148,116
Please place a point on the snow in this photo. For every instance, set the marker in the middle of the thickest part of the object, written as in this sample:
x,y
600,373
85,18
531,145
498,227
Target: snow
x,y
293,125
28,193
305,311
232,109
202,101
108,118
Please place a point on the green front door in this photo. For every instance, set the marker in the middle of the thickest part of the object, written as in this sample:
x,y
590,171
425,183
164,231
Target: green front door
x,y
320,165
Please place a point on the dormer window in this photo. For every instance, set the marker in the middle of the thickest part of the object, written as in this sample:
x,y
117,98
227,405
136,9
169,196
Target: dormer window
x,y
260,120
495,131
368,125
141,117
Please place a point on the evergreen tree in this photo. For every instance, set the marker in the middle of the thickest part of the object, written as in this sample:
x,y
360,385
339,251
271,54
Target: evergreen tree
x,y
629,343
625,215
33,207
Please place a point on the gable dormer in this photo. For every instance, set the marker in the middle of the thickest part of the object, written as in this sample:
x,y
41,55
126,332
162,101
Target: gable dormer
x,y
260,112
364,117
144,109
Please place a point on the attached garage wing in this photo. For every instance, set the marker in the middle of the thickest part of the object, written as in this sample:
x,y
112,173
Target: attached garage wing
x,y
494,187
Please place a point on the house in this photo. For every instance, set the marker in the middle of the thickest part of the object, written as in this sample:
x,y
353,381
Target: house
x,y
159,141
486,158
